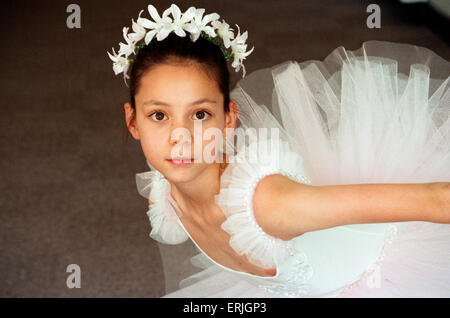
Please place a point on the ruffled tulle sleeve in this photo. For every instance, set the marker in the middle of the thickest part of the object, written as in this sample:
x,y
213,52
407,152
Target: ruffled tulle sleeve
x,y
162,213
238,182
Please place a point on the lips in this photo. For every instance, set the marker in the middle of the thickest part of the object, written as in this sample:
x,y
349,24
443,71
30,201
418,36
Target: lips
x,y
181,161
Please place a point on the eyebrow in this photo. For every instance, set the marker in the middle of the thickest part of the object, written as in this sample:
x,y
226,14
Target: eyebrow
x,y
200,101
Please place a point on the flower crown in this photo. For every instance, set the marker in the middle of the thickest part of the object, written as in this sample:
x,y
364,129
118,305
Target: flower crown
x,y
191,21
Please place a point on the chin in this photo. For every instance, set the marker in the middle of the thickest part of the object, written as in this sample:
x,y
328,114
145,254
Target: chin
x,y
179,174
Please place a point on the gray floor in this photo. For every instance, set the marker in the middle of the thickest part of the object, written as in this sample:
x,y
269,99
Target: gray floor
x,y
68,193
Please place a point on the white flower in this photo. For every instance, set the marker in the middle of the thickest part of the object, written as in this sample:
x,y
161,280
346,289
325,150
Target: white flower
x,y
179,22
191,21
199,24
126,49
139,30
156,26
225,32
120,63
238,46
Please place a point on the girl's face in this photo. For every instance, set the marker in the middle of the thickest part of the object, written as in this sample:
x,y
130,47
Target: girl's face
x,y
172,97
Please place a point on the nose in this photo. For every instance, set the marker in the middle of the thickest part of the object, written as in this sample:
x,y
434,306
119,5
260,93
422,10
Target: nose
x,y
178,137
180,140
180,132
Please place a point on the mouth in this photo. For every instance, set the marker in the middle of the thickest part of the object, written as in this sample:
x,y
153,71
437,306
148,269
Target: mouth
x,y
181,161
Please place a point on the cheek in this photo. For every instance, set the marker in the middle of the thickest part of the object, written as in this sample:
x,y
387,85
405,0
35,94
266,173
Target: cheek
x,y
150,138
211,145
152,148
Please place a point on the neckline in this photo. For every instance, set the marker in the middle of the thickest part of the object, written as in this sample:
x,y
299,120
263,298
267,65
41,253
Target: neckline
x,y
173,202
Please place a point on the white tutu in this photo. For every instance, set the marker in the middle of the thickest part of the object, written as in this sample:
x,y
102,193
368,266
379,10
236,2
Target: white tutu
x,y
379,114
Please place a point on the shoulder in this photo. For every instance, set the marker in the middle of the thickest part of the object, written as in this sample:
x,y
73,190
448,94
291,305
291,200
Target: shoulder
x,y
257,181
271,204
269,175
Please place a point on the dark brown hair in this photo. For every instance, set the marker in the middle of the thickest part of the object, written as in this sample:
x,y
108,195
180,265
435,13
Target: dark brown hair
x,y
181,50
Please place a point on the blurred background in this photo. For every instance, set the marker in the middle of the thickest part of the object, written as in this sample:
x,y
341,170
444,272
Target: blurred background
x,y
68,192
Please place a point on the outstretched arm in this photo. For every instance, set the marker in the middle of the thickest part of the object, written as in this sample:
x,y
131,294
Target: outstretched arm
x,y
286,209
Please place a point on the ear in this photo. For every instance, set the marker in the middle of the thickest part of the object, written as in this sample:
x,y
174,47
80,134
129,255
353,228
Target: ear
x,y
232,116
130,119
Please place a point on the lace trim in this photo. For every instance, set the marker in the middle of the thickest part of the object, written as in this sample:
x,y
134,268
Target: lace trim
x,y
248,199
162,215
295,281
247,237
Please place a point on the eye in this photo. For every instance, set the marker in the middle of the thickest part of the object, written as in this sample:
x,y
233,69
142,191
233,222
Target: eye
x,y
159,116
202,114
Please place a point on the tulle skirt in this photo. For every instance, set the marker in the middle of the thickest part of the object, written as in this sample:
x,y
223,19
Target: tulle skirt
x,y
379,114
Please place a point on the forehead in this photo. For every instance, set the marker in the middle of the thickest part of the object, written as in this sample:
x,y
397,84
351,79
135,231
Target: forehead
x,y
171,82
